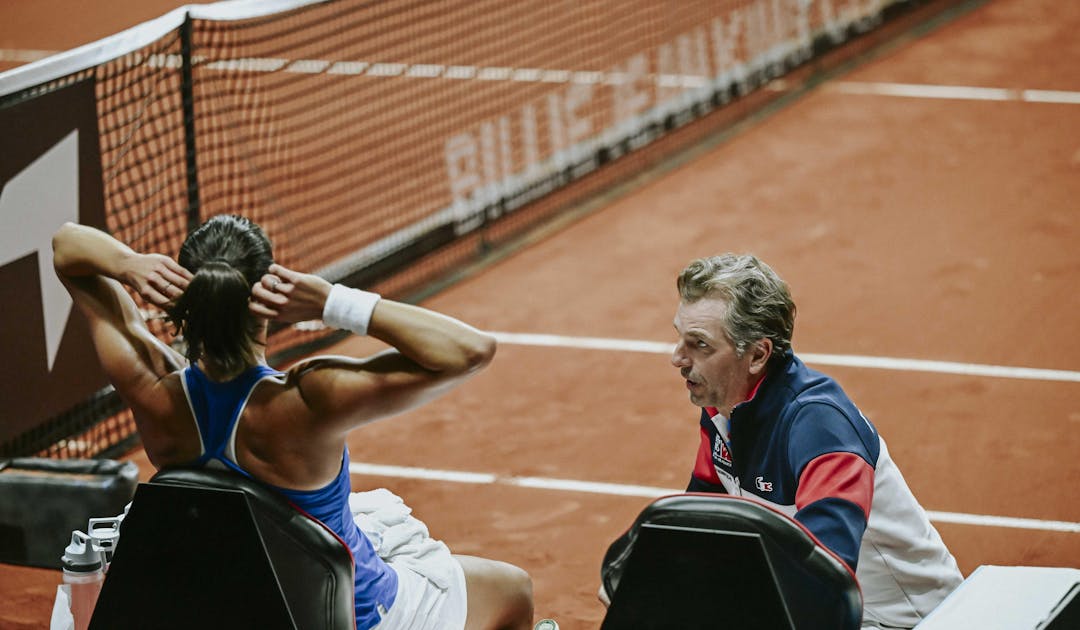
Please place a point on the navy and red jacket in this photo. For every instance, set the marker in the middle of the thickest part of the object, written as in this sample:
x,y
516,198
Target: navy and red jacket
x,y
801,445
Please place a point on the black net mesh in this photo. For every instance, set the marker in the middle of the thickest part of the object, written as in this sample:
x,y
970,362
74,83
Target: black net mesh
x,y
385,143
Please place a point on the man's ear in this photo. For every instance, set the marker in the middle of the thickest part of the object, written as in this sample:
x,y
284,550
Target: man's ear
x,y
759,355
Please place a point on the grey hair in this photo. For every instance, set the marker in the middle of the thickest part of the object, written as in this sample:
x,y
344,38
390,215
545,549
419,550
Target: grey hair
x,y
759,304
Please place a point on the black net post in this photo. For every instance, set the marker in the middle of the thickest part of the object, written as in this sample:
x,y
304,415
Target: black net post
x,y
188,99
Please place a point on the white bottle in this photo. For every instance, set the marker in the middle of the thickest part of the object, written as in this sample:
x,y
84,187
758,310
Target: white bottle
x,y
83,577
104,534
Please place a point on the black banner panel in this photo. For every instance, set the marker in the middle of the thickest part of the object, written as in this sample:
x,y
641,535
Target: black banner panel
x,y
50,172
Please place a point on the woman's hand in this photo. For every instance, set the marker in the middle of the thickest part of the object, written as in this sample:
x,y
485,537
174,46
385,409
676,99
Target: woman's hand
x,y
159,279
289,296
80,250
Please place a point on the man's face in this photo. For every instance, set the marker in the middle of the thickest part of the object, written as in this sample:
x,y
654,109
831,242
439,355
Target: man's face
x,y
715,375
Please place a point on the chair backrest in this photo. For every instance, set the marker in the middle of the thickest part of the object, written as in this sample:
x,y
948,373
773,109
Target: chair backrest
x,y
709,560
206,548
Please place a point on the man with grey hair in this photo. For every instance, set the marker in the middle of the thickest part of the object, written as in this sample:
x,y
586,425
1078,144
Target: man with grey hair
x,y
777,431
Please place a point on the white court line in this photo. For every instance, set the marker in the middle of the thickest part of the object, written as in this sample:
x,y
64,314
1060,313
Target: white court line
x,y
1051,96
879,363
24,56
1003,521
650,492
958,92
358,468
571,485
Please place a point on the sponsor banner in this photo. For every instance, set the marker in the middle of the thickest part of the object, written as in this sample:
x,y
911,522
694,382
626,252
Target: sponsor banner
x,y
50,172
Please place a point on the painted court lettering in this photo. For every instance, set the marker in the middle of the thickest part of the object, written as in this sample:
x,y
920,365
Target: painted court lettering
x,y
500,164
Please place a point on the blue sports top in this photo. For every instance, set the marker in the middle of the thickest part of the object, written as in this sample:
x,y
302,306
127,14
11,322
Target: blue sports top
x,y
216,408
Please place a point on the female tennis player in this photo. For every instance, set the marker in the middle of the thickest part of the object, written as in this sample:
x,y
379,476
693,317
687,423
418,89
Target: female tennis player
x,y
221,405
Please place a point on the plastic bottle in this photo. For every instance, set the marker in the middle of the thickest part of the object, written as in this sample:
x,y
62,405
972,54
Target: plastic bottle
x,y
104,534
83,576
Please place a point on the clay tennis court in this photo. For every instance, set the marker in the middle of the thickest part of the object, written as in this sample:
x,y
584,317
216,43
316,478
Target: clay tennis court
x,y
924,206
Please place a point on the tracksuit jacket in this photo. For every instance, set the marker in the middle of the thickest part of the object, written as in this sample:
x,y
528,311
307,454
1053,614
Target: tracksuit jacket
x,y
800,445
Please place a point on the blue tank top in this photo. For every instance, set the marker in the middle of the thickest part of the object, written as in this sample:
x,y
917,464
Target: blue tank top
x,y
217,407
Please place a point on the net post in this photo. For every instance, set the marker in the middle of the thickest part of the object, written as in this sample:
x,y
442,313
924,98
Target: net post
x,y
187,88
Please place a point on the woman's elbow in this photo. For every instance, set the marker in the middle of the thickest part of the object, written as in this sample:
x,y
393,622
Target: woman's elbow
x,y
463,352
472,354
480,352
61,243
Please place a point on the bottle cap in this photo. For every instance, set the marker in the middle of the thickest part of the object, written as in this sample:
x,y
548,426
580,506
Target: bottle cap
x,y
80,555
104,532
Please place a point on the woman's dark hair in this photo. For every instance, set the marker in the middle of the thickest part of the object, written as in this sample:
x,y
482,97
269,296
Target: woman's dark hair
x,y
227,254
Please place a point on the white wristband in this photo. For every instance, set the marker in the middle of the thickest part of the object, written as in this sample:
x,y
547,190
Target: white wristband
x,y
349,309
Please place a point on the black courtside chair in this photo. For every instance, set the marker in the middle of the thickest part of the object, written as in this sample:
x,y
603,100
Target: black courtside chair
x,y
213,549
716,561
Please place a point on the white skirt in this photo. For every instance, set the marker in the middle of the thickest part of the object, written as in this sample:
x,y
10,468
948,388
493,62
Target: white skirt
x,y
431,583
421,605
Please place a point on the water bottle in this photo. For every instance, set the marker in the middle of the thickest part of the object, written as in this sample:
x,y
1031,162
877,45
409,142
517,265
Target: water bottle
x,y
104,534
83,576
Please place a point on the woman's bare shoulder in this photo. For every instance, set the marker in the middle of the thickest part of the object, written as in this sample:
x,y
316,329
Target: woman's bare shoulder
x,y
168,429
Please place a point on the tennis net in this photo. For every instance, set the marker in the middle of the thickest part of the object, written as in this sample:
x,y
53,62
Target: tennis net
x,y
385,143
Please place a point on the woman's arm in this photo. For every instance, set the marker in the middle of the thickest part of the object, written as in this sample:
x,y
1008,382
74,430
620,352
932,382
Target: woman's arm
x,y
80,251
431,352
92,265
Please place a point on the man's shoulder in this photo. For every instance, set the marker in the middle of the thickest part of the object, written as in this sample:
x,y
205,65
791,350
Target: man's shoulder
x,y
805,380
822,417
803,386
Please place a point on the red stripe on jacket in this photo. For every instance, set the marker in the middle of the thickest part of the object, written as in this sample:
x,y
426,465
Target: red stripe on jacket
x,y
841,475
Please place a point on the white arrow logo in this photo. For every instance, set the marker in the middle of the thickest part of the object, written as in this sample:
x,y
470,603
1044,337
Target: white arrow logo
x,y
33,205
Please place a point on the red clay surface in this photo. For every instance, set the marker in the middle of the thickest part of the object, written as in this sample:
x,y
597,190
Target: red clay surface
x,y
913,228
